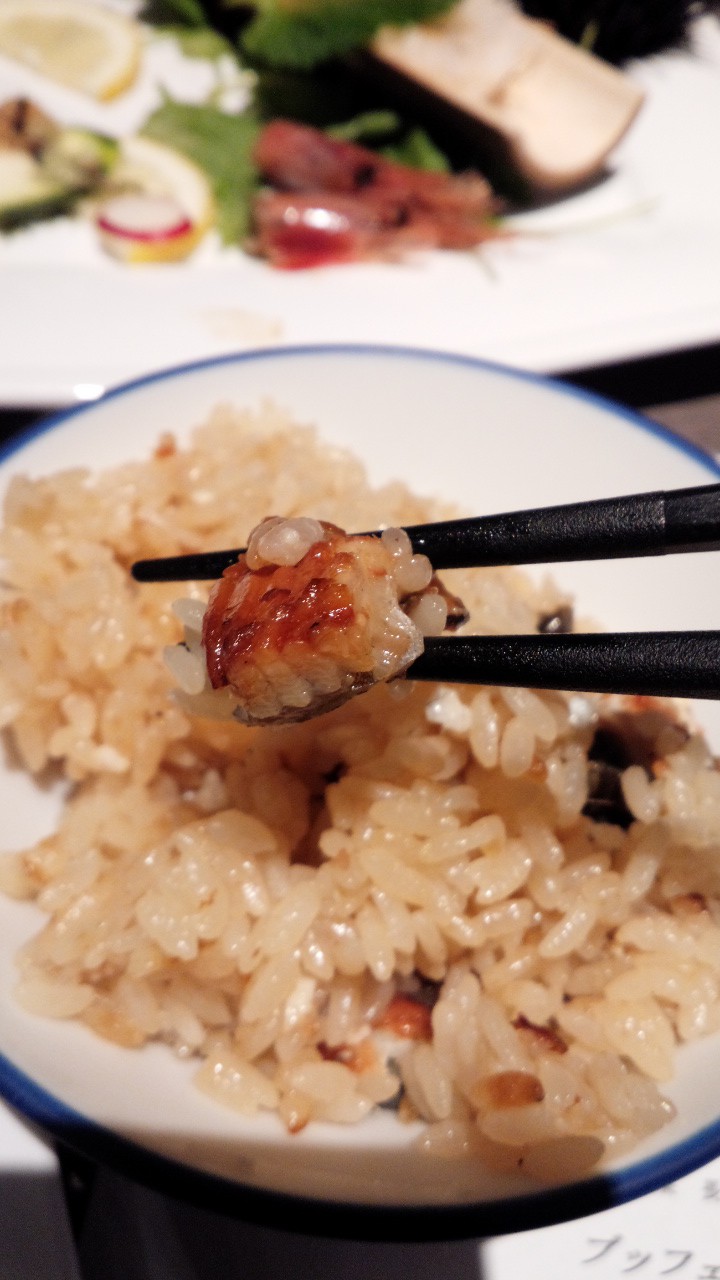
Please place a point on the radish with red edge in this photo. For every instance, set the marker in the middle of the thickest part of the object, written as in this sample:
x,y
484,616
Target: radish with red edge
x,y
146,228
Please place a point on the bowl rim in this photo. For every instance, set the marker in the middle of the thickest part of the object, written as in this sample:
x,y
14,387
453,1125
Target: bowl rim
x,y
550,381
322,1217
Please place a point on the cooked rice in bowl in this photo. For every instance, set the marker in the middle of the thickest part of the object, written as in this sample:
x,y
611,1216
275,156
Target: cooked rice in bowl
x,y
495,911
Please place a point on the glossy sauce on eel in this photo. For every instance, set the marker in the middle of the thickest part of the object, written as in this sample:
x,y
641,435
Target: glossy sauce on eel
x,y
308,617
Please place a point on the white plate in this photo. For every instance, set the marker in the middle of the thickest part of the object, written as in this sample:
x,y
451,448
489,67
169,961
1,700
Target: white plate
x,y
490,439
626,269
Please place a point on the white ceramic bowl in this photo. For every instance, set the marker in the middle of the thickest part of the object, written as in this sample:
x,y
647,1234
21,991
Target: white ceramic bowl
x,y
490,439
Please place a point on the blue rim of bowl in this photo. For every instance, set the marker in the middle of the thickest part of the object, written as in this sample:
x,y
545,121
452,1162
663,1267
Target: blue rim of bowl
x,y
301,1214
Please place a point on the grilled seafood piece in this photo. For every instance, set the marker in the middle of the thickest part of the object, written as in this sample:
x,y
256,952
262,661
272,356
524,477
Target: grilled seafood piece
x,y
296,157
307,618
296,230
337,202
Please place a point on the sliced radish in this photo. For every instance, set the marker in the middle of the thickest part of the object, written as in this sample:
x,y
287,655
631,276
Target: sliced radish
x,y
144,227
144,217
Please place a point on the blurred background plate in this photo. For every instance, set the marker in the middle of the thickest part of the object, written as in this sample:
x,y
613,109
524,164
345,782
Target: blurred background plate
x,y
627,268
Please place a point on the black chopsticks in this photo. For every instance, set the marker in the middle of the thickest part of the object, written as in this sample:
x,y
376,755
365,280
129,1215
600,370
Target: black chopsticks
x,y
677,664
661,664
643,524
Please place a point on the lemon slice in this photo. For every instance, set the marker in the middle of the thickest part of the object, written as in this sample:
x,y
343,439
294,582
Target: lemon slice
x,y
82,45
150,169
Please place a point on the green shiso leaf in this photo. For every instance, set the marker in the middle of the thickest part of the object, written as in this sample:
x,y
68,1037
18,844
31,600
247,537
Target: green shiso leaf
x,y
418,150
221,145
412,147
367,125
303,38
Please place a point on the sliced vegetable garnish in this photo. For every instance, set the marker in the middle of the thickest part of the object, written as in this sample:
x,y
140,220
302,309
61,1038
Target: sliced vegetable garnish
x,y
144,218
143,228
80,158
27,193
